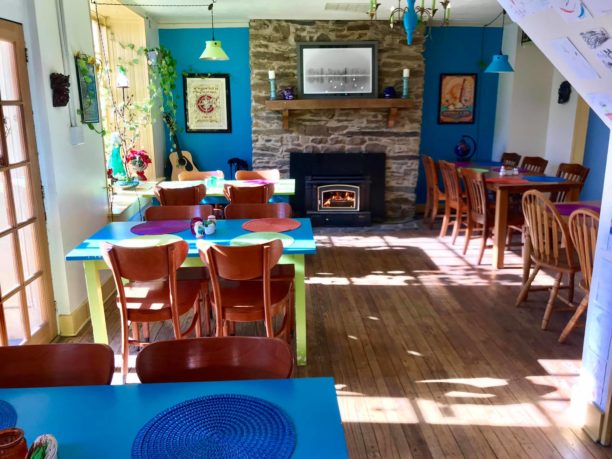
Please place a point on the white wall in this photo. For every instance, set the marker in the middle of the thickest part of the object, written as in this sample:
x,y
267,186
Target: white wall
x,y
73,176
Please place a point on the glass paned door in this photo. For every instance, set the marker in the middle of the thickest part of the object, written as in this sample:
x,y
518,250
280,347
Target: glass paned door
x,y
26,297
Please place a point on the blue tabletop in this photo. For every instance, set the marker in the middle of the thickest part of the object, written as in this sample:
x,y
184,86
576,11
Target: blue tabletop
x,y
102,421
227,230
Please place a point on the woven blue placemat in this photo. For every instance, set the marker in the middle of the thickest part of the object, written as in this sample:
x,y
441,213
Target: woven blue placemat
x,y
543,178
8,415
217,426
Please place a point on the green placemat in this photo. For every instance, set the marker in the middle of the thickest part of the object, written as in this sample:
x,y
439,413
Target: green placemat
x,y
149,241
260,238
479,169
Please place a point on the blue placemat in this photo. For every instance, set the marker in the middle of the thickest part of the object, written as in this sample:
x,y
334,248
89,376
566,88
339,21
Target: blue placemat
x,y
8,415
543,178
217,426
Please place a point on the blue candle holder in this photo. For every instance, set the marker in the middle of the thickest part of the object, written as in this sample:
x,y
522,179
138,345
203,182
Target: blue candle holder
x,y
404,87
272,89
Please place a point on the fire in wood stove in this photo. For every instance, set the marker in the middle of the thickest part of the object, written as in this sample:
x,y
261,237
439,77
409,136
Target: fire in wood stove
x,y
338,199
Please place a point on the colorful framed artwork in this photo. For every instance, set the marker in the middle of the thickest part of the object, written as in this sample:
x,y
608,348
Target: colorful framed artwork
x,y
207,102
88,91
457,98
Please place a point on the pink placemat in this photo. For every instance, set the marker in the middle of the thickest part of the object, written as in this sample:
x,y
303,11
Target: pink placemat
x,y
258,181
275,225
161,227
507,180
566,209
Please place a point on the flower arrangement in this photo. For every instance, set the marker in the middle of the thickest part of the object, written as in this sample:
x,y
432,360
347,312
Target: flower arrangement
x,y
139,160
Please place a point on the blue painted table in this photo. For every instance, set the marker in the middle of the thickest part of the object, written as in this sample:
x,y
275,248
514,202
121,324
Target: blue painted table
x,y
88,252
102,421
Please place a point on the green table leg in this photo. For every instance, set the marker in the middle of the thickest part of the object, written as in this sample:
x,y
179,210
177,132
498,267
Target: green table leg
x,y
95,300
300,307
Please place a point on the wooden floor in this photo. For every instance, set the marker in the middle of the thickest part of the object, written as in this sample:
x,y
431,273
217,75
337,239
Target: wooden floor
x,y
430,357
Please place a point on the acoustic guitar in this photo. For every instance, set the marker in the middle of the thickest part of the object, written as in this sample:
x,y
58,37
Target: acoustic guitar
x,y
180,160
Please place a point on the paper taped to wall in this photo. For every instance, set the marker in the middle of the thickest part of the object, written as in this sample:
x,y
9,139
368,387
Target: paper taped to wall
x,y
573,59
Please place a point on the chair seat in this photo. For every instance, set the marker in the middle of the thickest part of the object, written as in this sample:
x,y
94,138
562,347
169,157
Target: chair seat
x,y
149,301
243,301
562,265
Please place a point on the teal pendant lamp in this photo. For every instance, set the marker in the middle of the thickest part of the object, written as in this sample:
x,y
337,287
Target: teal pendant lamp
x,y
213,50
499,62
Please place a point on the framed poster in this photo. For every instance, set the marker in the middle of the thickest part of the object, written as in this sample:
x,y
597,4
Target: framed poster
x,y
207,102
457,98
337,69
88,91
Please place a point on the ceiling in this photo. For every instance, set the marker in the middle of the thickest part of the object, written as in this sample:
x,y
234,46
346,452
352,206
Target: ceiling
x,y
238,12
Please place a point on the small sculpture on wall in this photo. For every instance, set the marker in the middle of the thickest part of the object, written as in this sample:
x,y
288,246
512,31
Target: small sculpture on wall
x,y
60,84
565,90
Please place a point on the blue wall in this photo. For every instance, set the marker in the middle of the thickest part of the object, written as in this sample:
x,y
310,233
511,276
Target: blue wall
x,y
458,50
595,155
211,151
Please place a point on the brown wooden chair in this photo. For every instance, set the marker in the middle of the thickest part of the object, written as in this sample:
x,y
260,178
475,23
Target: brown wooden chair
x,y
267,210
199,175
511,159
152,292
550,248
572,172
583,227
534,164
183,196
264,174
434,193
178,212
248,194
230,358
253,296
50,365
454,199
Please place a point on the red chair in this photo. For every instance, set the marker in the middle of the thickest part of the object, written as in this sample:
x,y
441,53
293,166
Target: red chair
x,y
455,199
185,196
152,292
50,365
178,212
267,174
199,175
267,210
229,358
248,194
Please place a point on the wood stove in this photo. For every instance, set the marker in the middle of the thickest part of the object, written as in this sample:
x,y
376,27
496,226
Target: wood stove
x,y
338,200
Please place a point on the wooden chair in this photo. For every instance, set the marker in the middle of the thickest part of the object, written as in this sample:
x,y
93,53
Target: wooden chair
x,y
534,164
583,227
184,196
230,358
267,210
253,296
249,194
178,212
550,248
199,175
572,172
264,174
511,159
434,193
454,199
50,365
148,290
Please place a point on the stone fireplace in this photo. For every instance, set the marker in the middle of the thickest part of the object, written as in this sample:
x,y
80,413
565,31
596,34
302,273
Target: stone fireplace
x,y
273,46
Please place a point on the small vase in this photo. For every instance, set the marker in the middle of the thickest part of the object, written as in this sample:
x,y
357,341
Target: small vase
x,y
13,444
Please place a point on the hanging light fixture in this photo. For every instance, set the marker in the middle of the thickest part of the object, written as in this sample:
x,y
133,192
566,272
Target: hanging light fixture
x,y
413,14
499,62
213,50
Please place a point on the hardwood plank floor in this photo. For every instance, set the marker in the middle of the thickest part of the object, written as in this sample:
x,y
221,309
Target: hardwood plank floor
x,y
430,356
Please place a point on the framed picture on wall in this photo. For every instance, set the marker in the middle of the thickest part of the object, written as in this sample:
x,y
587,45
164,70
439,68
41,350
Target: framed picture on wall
x,y
337,69
88,91
207,102
457,98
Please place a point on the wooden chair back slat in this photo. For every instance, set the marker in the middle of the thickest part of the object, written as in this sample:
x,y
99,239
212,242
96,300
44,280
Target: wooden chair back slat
x,y
583,227
199,175
215,359
452,186
184,196
476,190
257,194
263,174
239,263
267,210
534,164
50,365
511,159
177,212
572,172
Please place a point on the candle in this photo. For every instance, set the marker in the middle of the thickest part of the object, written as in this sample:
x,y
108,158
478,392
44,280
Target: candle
x,y
447,12
271,74
406,73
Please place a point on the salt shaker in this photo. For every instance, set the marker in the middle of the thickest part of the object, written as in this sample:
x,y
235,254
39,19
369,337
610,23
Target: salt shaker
x,y
516,171
502,171
211,225
199,229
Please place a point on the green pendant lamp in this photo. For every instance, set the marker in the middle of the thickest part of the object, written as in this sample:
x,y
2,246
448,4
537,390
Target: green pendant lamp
x,y
499,62
213,50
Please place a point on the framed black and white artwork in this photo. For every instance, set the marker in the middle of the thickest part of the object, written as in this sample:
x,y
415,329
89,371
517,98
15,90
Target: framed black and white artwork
x,y
337,69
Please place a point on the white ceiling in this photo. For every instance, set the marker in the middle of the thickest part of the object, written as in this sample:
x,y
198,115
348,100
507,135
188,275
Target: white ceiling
x,y
238,12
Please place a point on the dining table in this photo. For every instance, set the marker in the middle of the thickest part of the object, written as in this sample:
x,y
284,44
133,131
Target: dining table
x,y
505,186
297,244
104,421
282,187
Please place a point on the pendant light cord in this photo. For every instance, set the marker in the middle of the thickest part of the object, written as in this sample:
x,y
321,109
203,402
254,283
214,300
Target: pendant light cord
x,y
212,18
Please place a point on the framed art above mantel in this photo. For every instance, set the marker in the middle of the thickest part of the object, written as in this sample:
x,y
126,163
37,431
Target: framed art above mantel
x,y
207,103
